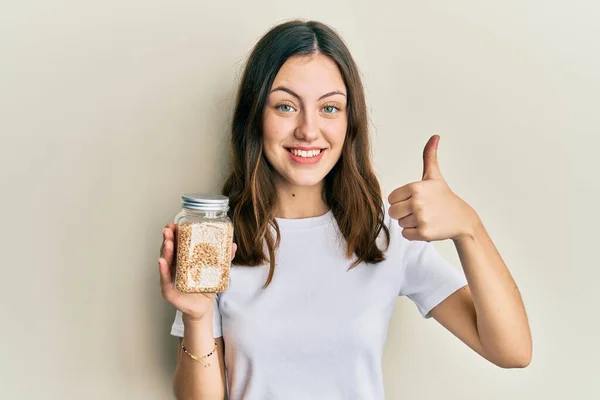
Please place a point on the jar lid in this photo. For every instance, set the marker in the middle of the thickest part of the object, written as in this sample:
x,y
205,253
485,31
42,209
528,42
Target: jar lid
x,y
205,202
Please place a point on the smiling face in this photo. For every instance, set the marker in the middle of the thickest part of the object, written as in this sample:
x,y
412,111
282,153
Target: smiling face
x,y
305,120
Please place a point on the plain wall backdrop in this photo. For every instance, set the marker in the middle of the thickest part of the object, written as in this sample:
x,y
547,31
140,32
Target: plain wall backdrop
x,y
109,110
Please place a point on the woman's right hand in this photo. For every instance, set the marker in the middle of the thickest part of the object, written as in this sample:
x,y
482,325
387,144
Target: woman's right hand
x,y
194,306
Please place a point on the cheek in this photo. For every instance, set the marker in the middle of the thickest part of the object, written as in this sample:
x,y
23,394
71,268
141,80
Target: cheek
x,y
269,130
336,132
275,128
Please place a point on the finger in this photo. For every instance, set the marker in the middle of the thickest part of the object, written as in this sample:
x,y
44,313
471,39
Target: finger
x,y
169,232
400,209
411,234
166,282
166,234
410,221
431,167
168,251
167,287
400,194
233,250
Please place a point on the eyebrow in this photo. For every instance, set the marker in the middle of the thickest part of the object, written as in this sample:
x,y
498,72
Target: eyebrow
x,y
284,89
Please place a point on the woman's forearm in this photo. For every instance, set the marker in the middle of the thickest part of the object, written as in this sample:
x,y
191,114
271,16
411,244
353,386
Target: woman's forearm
x,y
192,380
501,318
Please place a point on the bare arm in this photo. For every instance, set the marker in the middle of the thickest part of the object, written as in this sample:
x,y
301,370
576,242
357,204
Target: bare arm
x,y
489,314
192,380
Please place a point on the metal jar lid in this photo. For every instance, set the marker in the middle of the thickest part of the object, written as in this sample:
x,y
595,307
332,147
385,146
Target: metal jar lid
x,y
205,202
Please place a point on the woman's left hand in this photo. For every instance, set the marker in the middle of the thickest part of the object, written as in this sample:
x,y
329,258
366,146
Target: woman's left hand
x,y
428,209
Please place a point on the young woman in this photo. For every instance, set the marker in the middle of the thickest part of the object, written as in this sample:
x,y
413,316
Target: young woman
x,y
320,257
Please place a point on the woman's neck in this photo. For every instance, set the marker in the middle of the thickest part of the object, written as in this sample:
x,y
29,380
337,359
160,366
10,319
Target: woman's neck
x,y
300,201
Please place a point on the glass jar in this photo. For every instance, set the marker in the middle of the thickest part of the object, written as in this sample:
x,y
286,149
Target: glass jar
x,y
204,241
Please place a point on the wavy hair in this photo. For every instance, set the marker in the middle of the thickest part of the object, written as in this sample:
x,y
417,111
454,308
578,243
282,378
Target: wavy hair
x,y
351,189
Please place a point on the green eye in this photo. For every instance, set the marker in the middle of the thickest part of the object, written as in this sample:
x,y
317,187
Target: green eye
x,y
284,108
330,109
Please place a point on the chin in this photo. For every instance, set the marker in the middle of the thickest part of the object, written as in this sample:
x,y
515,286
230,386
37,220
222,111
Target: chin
x,y
304,180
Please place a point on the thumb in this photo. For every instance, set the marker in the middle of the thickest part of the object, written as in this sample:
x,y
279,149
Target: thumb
x,y
431,168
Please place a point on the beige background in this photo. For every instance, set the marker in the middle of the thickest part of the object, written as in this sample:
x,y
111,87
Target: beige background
x,y
109,110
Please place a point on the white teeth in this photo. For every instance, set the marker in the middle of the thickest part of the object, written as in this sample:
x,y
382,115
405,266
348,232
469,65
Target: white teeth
x,y
305,154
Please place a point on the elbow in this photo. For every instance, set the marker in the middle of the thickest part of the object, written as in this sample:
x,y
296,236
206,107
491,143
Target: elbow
x,y
520,359
522,362
517,354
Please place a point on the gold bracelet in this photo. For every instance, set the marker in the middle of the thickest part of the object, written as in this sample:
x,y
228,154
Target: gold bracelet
x,y
206,365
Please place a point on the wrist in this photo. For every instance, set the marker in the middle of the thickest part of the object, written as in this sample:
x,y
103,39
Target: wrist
x,y
190,321
471,228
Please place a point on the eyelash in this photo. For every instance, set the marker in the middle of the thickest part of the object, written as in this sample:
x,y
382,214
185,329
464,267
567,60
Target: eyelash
x,y
278,107
338,109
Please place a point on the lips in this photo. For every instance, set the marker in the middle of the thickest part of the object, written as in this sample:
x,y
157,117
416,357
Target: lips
x,y
306,155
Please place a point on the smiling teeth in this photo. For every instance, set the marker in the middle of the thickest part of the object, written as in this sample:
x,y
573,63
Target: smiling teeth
x,y
305,154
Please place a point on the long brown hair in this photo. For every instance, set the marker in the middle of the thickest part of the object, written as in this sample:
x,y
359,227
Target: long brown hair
x,y
351,189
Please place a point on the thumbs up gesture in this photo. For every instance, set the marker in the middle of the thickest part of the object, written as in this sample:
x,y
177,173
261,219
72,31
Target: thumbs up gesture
x,y
427,209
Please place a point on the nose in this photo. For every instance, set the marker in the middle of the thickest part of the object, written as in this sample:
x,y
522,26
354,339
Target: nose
x,y
308,128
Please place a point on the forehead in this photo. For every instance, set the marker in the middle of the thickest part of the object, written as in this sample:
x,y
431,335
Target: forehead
x,y
310,75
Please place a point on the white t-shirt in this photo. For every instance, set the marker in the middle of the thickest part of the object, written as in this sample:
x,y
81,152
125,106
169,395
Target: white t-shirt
x,y
318,330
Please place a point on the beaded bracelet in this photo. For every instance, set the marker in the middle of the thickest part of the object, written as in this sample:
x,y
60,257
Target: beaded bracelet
x,y
206,365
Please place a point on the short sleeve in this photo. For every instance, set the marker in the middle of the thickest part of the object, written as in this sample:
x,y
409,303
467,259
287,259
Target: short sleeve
x,y
428,278
177,327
